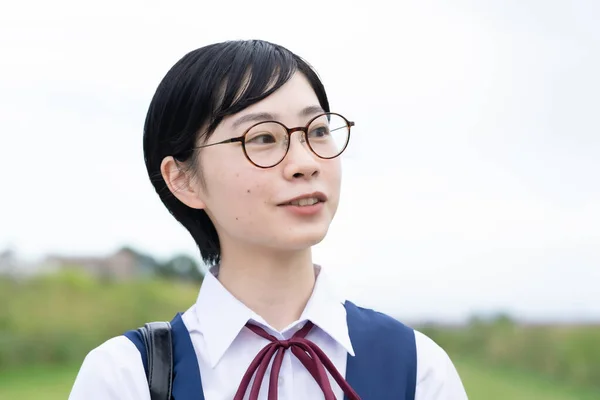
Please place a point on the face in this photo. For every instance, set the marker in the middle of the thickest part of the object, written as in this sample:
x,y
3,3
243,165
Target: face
x,y
250,206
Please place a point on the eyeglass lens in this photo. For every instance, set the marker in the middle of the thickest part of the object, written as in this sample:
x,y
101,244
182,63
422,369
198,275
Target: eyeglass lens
x,y
266,143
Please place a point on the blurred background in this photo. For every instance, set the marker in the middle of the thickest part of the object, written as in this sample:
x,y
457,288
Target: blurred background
x,y
471,195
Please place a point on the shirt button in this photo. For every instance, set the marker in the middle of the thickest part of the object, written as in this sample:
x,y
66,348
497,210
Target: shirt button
x,y
281,381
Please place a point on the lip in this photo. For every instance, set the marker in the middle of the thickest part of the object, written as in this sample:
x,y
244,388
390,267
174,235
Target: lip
x,y
305,211
318,195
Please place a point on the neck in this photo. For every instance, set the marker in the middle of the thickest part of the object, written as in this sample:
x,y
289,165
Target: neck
x,y
275,286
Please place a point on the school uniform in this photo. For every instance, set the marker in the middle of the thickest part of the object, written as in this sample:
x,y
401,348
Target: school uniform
x,y
216,340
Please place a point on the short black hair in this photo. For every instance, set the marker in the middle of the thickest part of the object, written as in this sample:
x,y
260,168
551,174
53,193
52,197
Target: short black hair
x,y
203,87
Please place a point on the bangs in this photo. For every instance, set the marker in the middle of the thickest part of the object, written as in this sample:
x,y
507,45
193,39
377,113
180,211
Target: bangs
x,y
256,71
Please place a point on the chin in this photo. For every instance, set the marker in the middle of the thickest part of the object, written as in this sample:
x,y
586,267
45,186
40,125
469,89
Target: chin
x,y
298,239
303,239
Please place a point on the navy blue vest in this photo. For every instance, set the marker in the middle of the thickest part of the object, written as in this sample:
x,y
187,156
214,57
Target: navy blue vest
x,y
384,366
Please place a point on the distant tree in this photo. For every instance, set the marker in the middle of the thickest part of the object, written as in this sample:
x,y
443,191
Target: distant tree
x,y
147,263
181,267
503,320
476,321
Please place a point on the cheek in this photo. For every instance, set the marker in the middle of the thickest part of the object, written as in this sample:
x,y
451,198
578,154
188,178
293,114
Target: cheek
x,y
235,192
334,173
334,184
241,198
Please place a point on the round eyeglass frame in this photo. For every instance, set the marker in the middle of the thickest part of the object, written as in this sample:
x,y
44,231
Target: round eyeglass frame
x,y
303,129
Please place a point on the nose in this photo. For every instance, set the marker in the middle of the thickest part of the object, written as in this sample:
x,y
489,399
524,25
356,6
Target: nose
x,y
300,161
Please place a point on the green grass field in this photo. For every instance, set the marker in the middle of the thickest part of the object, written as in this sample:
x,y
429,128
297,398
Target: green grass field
x,y
484,383
481,383
37,383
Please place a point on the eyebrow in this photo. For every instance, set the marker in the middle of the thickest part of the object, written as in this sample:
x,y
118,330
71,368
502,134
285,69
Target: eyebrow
x,y
265,116
310,111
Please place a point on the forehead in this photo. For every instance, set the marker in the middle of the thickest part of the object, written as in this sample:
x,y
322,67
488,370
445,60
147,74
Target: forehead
x,y
288,104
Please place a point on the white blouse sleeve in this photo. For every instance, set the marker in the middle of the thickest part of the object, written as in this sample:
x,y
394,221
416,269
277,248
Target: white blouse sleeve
x,y
437,378
112,371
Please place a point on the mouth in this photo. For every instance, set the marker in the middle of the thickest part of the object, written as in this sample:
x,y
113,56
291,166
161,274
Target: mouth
x,y
306,200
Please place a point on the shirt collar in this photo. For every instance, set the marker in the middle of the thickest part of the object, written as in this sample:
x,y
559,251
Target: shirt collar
x,y
326,310
221,317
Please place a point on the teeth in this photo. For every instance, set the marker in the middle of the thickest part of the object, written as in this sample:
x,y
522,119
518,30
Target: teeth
x,y
305,202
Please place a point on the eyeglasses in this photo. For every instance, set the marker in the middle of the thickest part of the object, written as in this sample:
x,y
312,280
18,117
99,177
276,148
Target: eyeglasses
x,y
266,143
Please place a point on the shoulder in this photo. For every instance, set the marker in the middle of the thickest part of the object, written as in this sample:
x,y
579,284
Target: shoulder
x,y
437,377
113,370
430,352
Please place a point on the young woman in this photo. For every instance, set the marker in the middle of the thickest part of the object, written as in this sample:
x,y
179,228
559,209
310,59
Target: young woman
x,y
243,149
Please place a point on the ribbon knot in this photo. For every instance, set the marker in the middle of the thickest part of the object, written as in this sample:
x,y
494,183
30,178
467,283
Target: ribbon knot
x,y
309,354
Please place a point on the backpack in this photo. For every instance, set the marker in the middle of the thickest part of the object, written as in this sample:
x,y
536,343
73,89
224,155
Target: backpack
x,y
158,342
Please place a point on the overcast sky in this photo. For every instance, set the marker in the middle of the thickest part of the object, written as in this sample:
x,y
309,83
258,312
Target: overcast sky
x,y
472,181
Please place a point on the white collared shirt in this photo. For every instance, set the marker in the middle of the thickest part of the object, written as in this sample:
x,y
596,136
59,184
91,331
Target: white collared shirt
x,y
225,349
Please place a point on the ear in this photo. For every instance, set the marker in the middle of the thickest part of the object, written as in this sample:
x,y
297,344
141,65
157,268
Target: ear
x,y
181,184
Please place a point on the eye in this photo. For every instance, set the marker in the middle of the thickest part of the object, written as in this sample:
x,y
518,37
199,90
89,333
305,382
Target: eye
x,y
319,132
261,138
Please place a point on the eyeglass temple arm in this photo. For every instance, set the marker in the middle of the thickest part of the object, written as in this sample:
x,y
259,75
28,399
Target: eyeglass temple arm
x,y
232,140
350,123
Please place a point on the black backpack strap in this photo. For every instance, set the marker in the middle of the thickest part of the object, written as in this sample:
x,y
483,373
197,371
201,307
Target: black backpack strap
x,y
159,349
